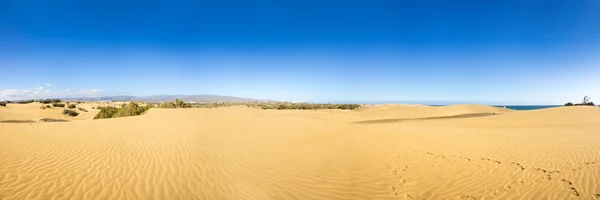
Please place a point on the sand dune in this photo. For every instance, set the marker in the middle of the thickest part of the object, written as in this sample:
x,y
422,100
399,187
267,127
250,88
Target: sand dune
x,y
245,153
32,112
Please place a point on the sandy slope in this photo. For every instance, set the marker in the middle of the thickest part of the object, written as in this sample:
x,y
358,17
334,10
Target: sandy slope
x,y
243,153
32,112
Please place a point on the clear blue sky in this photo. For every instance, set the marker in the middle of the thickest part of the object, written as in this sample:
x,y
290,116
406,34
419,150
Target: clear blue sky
x,y
491,52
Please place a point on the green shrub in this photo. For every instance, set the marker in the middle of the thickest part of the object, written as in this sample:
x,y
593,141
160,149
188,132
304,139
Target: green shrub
x,y
177,104
71,113
81,109
3,104
131,109
71,106
56,101
62,105
105,112
47,106
569,104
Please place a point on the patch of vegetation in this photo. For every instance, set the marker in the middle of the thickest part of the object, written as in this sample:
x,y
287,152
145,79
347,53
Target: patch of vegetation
x,y
586,102
3,104
131,109
48,106
280,105
177,104
82,109
62,105
308,106
47,101
17,121
71,113
71,106
24,101
53,120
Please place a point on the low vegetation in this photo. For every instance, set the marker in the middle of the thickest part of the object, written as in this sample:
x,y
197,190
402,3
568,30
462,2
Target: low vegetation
x,y
586,102
131,109
71,106
3,104
24,101
47,101
82,109
279,105
176,104
62,105
53,120
71,113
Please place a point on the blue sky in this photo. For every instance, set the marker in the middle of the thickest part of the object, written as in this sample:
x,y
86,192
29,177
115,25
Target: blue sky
x,y
490,52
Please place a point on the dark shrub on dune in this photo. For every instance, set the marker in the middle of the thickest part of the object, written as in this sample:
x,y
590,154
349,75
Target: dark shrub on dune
x,y
71,106
53,120
569,104
47,101
71,113
82,109
62,105
3,104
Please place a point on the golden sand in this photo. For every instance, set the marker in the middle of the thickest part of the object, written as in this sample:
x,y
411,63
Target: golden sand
x,y
245,153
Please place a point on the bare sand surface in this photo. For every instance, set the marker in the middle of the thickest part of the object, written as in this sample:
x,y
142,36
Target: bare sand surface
x,y
245,153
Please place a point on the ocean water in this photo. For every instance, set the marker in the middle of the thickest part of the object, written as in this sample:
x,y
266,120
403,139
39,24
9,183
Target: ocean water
x,y
529,107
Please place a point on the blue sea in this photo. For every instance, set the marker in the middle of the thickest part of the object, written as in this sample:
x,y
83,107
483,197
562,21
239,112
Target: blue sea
x,y
529,107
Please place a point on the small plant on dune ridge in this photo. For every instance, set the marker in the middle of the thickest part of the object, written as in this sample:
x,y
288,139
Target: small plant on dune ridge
x,y
82,109
3,104
131,109
71,113
71,106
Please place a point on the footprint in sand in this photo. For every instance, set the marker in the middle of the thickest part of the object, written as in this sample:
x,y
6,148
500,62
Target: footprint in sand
x,y
392,190
570,187
466,197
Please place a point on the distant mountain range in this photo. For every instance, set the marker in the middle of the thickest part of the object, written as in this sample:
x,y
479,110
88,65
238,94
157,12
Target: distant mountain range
x,y
166,98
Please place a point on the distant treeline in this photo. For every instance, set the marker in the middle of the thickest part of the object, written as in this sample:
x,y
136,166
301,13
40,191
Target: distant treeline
x,y
279,105
44,101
